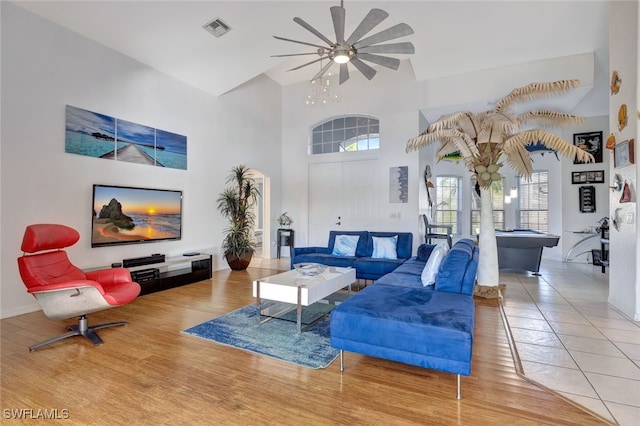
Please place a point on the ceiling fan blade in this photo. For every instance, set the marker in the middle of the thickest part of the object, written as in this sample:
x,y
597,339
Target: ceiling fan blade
x,y
304,65
312,30
373,18
405,47
344,73
385,61
293,54
323,70
399,30
299,42
363,68
337,14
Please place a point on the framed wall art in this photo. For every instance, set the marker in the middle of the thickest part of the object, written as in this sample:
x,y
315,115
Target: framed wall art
x,y
623,154
594,176
587,200
590,142
399,184
101,136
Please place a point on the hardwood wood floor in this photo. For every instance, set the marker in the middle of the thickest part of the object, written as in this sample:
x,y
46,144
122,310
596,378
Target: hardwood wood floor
x,y
150,373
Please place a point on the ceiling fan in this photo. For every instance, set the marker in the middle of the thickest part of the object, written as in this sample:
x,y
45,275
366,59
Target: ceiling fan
x,y
355,49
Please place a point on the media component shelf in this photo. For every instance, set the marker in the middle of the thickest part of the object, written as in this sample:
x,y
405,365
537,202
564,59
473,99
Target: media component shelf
x,y
174,271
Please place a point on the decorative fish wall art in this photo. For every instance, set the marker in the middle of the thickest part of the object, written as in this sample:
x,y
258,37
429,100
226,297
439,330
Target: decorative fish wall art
x,y
539,147
454,156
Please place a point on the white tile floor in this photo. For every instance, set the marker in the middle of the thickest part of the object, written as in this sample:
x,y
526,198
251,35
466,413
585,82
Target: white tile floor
x,y
572,342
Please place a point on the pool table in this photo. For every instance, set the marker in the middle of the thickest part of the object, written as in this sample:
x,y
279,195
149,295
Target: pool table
x,y
522,248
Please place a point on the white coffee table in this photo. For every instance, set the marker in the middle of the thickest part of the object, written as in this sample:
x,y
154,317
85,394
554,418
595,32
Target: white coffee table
x,y
300,290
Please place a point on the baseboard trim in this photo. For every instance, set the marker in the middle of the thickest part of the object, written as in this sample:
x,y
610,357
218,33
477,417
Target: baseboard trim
x,y
8,313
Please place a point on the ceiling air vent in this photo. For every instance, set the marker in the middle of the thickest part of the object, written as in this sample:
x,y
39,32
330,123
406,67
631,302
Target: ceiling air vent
x,y
217,27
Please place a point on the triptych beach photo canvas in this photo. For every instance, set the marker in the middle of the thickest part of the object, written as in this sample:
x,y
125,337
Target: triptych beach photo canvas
x,y
101,136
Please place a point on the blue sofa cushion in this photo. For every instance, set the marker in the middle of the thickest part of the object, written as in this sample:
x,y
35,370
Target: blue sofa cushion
x,y
363,241
368,268
295,251
326,259
412,325
405,275
458,269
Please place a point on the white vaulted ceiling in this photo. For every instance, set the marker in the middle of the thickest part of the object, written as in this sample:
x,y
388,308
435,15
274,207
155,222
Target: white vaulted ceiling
x,y
451,37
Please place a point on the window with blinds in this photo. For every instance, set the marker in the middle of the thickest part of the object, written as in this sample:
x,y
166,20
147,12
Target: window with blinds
x,y
533,201
448,202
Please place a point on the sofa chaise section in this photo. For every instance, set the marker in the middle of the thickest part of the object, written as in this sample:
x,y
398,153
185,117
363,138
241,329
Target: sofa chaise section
x,y
401,320
430,329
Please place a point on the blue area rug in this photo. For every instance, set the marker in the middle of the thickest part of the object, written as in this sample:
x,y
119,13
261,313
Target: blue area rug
x,y
275,338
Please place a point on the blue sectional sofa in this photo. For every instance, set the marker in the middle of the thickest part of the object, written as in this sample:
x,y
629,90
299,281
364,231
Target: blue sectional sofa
x,y
366,266
401,320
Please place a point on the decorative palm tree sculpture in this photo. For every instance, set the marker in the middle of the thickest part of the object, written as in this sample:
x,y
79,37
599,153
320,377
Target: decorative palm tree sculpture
x,y
483,138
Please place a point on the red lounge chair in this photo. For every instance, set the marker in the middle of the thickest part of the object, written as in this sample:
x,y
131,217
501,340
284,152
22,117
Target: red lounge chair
x,y
65,291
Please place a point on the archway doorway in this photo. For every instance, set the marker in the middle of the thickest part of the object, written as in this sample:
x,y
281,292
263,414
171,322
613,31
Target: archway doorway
x,y
262,229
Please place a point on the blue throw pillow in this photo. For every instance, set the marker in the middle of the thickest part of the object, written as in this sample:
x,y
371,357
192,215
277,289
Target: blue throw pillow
x,y
345,245
385,247
424,251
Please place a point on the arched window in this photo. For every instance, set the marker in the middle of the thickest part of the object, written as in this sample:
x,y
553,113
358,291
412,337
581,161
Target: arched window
x,y
346,133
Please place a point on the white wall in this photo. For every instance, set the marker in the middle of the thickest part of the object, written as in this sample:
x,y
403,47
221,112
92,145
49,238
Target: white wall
x,y
624,275
572,218
44,68
392,97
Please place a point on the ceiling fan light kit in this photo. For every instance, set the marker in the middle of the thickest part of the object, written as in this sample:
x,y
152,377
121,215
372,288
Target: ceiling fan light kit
x,y
355,49
341,54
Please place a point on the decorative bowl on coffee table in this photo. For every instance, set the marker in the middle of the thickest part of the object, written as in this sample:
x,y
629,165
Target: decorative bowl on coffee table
x,y
310,269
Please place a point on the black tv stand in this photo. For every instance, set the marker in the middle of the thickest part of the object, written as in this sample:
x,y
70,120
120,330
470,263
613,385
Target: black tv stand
x,y
175,271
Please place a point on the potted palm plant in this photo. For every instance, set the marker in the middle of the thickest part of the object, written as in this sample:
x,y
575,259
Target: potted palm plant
x,y
236,203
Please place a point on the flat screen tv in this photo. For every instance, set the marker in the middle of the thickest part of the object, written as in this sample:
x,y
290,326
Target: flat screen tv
x,y
128,215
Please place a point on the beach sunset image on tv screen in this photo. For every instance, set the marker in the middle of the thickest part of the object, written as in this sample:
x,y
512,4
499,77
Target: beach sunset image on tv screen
x,y
125,215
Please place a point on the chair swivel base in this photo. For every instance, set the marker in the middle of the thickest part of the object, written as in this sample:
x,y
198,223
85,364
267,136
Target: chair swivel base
x,y
80,329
